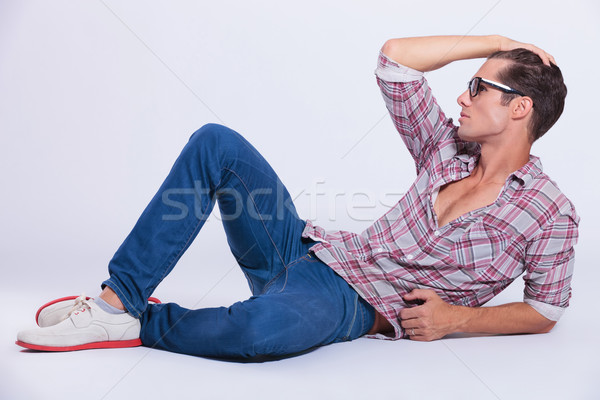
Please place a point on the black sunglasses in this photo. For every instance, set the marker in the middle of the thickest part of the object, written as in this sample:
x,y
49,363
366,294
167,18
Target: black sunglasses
x,y
475,83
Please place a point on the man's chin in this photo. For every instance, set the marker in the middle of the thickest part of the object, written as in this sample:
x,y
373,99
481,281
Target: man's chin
x,y
464,135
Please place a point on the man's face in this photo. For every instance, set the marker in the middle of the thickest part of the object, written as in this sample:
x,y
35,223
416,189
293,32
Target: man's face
x,y
483,117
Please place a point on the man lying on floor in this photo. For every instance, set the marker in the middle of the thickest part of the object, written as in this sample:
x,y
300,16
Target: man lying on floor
x,y
480,213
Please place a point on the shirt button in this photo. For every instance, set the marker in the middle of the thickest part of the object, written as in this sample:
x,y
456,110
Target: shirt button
x,y
436,233
379,250
410,257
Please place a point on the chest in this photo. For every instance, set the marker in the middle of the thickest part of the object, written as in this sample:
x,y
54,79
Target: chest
x,y
461,197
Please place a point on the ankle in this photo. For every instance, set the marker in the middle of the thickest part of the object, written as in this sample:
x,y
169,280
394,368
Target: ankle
x,y
109,296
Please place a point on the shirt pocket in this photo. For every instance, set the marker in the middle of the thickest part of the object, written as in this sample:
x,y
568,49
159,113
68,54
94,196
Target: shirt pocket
x,y
477,248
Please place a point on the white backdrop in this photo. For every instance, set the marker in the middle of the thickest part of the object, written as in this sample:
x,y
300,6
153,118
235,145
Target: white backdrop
x,y
97,98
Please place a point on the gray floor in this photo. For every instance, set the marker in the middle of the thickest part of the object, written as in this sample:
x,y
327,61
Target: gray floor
x,y
561,364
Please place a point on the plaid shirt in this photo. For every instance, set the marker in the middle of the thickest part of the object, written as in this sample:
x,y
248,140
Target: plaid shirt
x,y
531,228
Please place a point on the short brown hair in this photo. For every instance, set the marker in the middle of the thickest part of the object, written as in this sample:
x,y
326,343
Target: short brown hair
x,y
544,84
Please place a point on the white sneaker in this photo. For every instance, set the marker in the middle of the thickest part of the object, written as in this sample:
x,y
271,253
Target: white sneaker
x,y
86,327
58,310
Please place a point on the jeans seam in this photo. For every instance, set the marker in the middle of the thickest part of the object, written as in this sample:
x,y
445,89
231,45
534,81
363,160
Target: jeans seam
x,y
182,249
249,280
353,318
179,253
285,269
362,320
263,224
257,210
364,329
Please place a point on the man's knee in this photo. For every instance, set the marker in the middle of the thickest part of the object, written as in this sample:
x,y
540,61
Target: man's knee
x,y
215,137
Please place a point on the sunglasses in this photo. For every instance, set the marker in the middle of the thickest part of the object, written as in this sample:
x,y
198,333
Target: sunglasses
x,y
474,85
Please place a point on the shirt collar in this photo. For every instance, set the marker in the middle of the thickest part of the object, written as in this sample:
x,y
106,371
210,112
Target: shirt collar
x,y
528,171
469,155
523,175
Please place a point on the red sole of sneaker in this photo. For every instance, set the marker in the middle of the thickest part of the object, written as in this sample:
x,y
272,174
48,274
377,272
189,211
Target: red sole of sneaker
x,y
113,344
37,314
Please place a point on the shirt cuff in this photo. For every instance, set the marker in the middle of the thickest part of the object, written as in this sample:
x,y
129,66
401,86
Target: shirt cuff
x,y
553,313
390,71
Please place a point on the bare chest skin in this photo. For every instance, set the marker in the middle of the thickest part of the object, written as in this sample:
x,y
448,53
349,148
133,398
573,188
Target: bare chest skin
x,y
460,197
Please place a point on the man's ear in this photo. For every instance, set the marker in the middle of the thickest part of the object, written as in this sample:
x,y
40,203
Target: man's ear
x,y
522,107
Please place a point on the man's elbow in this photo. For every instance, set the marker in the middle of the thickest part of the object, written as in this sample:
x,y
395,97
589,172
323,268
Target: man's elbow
x,y
391,48
387,48
538,323
546,326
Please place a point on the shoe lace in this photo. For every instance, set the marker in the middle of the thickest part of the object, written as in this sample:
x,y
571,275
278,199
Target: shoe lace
x,y
81,302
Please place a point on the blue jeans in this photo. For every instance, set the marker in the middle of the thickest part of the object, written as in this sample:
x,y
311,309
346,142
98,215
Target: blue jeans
x,y
297,301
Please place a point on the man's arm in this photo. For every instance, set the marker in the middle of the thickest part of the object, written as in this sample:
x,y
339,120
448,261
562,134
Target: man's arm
x,y
435,318
414,111
432,52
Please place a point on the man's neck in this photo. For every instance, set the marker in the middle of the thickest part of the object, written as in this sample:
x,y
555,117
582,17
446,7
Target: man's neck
x,y
498,161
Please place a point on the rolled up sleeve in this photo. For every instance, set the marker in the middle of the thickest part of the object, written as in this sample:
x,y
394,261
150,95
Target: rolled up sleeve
x,y
550,261
415,113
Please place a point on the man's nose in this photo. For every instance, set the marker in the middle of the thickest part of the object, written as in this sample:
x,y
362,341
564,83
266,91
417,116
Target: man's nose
x,y
464,100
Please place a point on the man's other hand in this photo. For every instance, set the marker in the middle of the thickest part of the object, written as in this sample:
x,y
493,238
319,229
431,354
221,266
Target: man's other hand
x,y
431,320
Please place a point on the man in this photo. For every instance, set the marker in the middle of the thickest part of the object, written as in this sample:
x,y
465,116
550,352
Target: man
x,y
480,213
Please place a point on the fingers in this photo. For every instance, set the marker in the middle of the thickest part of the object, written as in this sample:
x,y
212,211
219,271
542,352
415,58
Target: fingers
x,y
422,294
417,294
410,328
409,324
546,58
417,328
408,313
509,44
418,334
